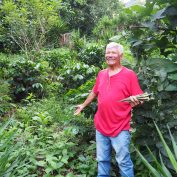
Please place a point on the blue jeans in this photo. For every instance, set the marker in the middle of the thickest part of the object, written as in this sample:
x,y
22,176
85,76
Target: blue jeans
x,y
120,144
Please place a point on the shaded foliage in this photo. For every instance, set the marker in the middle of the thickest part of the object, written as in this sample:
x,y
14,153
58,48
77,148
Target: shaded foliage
x,y
28,76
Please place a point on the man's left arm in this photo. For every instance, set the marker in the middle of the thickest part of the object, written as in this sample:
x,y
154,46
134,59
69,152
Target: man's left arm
x,y
135,90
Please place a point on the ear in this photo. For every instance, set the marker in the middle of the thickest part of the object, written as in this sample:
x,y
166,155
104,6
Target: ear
x,y
121,56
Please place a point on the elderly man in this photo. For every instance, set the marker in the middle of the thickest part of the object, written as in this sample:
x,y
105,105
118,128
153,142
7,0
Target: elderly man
x,y
112,119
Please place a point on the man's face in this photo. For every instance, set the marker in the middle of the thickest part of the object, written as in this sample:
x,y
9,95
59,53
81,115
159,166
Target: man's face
x,y
112,56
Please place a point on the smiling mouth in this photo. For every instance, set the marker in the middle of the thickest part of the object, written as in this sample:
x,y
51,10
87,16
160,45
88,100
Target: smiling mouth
x,y
110,58
111,61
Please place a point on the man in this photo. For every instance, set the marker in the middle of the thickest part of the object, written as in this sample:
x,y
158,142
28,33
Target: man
x,y
112,119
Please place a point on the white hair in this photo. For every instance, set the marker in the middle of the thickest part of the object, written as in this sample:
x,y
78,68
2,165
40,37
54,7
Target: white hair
x,y
118,46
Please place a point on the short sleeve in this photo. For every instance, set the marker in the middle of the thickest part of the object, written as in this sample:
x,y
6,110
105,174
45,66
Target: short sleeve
x,y
95,87
135,86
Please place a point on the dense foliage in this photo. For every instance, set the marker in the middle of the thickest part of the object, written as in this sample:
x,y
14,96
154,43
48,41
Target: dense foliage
x,y
47,77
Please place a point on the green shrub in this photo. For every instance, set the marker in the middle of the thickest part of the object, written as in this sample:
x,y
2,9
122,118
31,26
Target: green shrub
x,y
55,108
157,76
4,65
78,96
58,57
28,77
5,99
27,25
92,54
106,28
74,74
77,42
55,142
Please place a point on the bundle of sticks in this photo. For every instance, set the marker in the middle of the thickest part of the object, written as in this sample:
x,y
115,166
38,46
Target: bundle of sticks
x,y
141,97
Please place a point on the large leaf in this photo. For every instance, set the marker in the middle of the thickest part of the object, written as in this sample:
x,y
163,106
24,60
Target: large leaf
x,y
161,73
159,15
159,63
173,77
171,88
171,11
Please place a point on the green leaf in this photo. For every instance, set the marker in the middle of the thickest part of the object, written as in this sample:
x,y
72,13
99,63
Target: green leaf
x,y
162,74
173,143
137,8
173,77
166,171
48,170
41,163
115,38
154,172
171,10
65,159
167,149
171,88
159,166
50,158
137,43
159,15
159,63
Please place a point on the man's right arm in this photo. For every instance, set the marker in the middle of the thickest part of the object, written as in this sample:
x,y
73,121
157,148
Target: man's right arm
x,y
88,100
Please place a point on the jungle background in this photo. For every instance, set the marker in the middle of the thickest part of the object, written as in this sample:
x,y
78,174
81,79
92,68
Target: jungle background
x,y
50,54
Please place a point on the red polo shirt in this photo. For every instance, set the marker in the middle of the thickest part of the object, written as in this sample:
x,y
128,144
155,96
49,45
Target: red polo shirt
x,y
112,116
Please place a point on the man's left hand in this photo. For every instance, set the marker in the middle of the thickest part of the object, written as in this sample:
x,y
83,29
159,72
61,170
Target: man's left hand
x,y
134,101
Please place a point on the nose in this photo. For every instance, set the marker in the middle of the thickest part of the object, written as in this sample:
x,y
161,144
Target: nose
x,y
109,56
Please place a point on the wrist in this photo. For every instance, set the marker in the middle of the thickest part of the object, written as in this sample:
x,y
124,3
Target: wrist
x,y
83,105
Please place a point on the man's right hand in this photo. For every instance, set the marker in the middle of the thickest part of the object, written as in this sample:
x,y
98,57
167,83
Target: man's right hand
x,y
89,99
79,108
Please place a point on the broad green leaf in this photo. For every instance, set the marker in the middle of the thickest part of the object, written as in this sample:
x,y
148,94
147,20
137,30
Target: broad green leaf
x,y
65,159
41,163
173,77
159,63
48,170
161,73
159,15
171,10
171,88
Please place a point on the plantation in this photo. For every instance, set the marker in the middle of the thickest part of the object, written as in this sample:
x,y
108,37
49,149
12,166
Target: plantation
x,y
50,55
